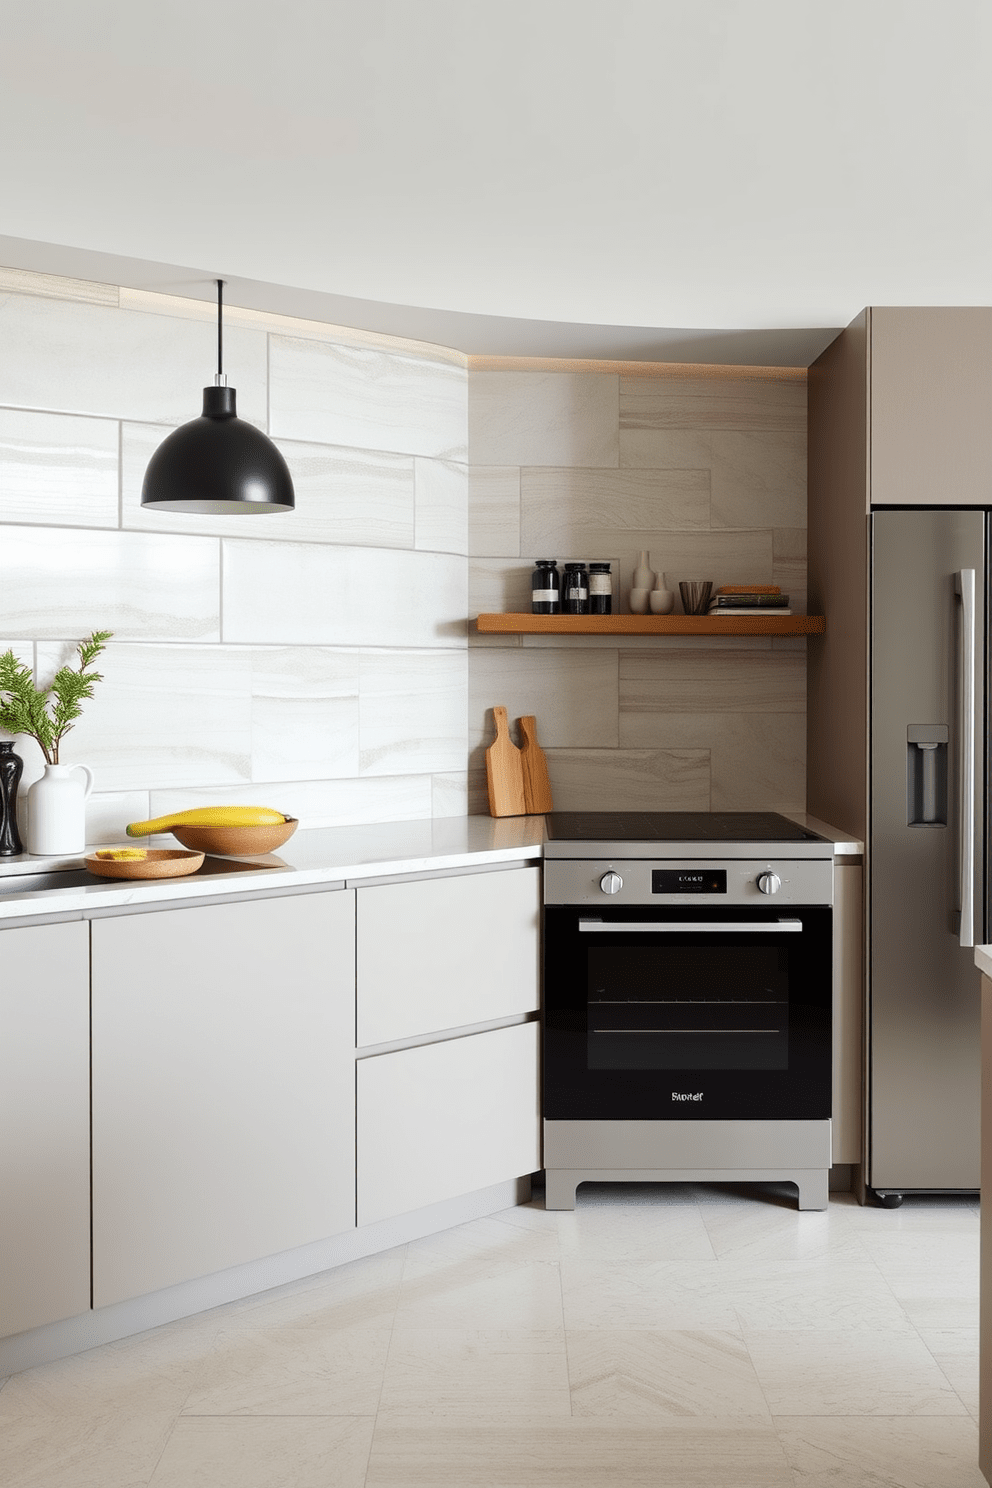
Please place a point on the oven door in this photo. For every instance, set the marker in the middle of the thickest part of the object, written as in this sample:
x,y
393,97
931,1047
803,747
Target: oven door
x,y
681,1013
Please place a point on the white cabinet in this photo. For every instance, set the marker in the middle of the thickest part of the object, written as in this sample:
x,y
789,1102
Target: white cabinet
x,y
44,1125
456,1115
446,953
223,1087
445,1119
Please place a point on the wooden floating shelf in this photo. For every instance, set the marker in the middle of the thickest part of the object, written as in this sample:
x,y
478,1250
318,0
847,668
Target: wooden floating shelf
x,y
714,625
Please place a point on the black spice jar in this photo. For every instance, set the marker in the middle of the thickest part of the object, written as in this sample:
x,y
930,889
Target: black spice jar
x,y
11,766
600,589
575,596
545,588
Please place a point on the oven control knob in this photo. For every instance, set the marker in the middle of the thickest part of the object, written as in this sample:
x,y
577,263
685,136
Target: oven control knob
x,y
769,883
611,883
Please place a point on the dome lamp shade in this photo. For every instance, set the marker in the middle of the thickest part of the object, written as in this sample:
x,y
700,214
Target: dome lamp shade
x,y
217,463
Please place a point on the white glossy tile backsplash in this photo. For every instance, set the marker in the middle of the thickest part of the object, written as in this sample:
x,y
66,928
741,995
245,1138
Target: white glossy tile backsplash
x,y
314,659
705,469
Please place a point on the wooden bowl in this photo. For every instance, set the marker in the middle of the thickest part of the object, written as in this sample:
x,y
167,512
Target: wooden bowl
x,y
237,842
158,862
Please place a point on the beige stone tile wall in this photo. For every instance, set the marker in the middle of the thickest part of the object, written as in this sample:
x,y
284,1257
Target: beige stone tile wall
x,y
704,468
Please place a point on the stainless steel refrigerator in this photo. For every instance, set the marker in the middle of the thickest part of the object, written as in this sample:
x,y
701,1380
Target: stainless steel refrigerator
x,y
929,874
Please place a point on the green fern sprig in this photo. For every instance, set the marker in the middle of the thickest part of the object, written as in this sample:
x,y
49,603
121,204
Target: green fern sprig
x,y
48,714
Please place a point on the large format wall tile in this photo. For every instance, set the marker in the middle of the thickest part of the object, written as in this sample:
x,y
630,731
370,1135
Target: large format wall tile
x,y
757,476
317,803
304,713
299,594
342,496
442,506
57,582
564,509
712,682
162,716
76,358
494,510
757,760
543,418
55,468
371,399
572,694
412,711
630,779
699,402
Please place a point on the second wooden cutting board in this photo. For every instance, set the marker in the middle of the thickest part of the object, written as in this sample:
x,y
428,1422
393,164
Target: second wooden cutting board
x,y
537,785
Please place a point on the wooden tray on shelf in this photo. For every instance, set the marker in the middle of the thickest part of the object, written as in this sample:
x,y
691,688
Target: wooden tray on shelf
x,y
715,625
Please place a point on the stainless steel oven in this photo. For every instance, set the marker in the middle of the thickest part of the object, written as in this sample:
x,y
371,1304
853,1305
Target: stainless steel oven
x,y
688,992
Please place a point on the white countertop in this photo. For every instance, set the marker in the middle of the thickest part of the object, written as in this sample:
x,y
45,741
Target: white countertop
x,y
332,855
983,959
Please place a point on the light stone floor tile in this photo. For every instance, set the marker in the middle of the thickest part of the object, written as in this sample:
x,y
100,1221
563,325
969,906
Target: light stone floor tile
x,y
850,1372
922,1267
823,1291
481,1374
664,1376
106,1450
577,1454
895,1452
482,1247
527,1297
266,1453
361,1293
625,1232
768,1234
292,1371
658,1295
151,1374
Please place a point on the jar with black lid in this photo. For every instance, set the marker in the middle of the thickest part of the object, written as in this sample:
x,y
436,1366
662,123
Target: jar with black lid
x,y
545,588
600,589
575,598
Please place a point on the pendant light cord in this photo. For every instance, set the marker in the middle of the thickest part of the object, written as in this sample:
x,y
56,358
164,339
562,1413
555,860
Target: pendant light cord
x,y
220,332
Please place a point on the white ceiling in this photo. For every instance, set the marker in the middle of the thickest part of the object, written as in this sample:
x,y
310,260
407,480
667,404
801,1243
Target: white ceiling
x,y
712,180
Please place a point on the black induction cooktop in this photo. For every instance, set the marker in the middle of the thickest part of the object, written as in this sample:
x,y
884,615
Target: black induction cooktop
x,y
674,826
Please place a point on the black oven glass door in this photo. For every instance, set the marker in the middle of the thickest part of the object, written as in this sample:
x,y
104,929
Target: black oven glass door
x,y
709,1013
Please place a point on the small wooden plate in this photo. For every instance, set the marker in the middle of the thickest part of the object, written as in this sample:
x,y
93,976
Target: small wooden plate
x,y
158,862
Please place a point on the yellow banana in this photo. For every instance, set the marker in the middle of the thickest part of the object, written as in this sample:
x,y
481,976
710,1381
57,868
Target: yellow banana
x,y
209,816
123,854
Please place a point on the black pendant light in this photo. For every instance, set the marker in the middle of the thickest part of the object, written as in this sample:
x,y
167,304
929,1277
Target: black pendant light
x,y
217,463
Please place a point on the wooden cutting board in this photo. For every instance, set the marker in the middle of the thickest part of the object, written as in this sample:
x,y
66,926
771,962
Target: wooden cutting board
x,y
504,771
537,785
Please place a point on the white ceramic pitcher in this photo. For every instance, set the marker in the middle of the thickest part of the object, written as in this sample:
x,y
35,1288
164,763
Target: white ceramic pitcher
x,y
57,810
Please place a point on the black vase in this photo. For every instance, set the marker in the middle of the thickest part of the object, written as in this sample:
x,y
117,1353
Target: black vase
x,y
11,766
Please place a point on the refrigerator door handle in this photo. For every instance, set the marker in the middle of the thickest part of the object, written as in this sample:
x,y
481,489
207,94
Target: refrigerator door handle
x,y
964,584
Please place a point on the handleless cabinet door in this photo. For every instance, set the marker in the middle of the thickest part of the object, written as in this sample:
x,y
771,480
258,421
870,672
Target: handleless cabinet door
x,y
447,952
446,1119
44,1125
223,1087
931,391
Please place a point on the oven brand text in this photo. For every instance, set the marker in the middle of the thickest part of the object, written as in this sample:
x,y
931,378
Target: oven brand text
x,y
681,1095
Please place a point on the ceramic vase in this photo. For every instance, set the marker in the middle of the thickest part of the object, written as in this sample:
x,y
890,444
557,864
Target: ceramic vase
x,y
11,766
662,599
57,810
644,575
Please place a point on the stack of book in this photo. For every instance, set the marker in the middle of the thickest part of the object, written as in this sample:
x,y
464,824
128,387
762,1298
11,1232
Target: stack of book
x,y
749,599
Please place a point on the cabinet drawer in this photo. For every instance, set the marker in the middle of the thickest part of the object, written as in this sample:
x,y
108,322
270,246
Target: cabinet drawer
x,y
446,1119
443,953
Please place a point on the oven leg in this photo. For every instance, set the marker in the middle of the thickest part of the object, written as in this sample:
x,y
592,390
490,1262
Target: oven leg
x,y
814,1188
560,1186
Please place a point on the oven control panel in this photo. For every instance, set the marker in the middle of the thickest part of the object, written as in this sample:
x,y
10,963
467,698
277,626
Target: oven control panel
x,y
669,881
